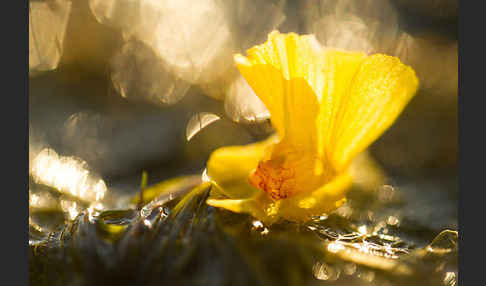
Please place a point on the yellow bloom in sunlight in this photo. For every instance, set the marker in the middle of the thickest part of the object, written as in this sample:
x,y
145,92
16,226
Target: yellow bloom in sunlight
x,y
326,106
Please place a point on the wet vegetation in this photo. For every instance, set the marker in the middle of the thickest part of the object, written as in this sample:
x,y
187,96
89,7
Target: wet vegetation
x,y
182,241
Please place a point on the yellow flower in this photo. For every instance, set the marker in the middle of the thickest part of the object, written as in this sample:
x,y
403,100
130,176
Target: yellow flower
x,y
327,106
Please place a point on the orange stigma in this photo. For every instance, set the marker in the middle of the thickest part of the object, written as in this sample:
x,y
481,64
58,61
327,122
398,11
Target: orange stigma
x,y
275,179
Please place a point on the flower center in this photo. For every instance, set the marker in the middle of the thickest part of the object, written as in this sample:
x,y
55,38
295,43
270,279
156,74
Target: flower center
x,y
274,178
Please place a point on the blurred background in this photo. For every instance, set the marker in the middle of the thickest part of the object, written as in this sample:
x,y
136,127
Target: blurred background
x,y
115,82
119,86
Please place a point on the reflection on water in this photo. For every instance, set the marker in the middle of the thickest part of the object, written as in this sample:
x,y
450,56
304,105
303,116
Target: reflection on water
x,y
68,175
61,188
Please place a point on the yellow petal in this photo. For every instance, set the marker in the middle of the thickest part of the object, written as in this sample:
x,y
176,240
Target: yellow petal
x,y
298,208
229,168
339,69
285,73
257,207
327,106
325,199
379,91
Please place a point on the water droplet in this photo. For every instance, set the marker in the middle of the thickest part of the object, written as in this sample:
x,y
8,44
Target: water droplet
x,y
363,229
147,223
204,176
257,224
149,208
259,227
450,279
115,222
324,271
443,243
198,122
323,217
71,208
392,220
349,268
